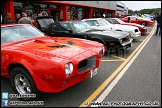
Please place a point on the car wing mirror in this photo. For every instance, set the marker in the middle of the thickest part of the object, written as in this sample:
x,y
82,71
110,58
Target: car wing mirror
x,y
45,33
43,30
70,31
97,25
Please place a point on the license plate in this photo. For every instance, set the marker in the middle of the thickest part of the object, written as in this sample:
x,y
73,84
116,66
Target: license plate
x,y
93,72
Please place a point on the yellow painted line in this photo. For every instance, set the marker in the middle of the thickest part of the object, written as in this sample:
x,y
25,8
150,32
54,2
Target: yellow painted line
x,y
111,60
110,78
118,57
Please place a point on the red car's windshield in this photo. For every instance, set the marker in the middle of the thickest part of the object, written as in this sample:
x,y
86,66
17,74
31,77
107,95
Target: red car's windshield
x,y
18,32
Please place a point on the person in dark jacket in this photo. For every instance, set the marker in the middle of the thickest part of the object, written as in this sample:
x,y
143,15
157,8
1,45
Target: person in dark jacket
x,y
158,20
117,15
17,17
129,20
7,19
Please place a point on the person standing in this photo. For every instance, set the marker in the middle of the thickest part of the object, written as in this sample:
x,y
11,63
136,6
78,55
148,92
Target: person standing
x,y
142,16
29,16
109,15
98,15
103,15
24,19
129,19
7,19
94,15
34,16
56,17
158,20
17,17
117,15
1,18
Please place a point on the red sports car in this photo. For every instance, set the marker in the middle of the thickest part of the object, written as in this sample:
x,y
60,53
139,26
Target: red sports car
x,y
37,63
138,20
142,28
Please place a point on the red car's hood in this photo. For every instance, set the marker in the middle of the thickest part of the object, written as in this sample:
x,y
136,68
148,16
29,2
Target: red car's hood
x,y
134,24
53,47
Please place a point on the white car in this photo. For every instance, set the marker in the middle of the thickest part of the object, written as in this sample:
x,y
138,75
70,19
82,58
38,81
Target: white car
x,y
102,24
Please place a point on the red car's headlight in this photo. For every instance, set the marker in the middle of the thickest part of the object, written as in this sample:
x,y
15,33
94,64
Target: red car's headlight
x,y
69,69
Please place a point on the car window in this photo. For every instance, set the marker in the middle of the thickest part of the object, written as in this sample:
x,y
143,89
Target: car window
x,y
81,26
114,21
5,35
105,22
45,22
92,22
66,25
120,21
102,23
110,21
16,33
133,18
61,27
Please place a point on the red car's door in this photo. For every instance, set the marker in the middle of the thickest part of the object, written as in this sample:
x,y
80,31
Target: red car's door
x,y
125,19
133,19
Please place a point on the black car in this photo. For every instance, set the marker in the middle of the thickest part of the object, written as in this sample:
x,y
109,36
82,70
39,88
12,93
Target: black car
x,y
113,41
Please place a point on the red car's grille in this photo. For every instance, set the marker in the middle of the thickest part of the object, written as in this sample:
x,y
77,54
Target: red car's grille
x,y
87,64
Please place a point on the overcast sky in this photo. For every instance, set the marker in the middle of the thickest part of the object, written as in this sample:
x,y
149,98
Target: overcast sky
x,y
138,5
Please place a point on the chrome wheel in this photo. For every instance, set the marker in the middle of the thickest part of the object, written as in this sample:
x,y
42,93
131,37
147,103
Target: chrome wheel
x,y
22,85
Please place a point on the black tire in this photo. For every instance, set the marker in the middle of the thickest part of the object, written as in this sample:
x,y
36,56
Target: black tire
x,y
143,23
22,83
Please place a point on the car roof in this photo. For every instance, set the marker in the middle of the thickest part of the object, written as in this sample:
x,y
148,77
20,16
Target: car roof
x,y
131,16
111,18
51,17
68,21
5,25
43,17
93,19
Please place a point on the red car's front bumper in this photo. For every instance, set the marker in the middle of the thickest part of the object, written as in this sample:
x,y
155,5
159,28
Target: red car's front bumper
x,y
143,30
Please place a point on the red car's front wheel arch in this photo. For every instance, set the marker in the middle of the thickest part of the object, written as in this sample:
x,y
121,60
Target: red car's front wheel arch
x,y
22,83
100,41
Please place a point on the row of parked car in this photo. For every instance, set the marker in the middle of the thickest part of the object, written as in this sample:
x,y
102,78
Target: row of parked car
x,y
113,33
52,56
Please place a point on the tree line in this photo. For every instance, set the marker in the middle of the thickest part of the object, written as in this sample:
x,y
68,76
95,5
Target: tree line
x,y
145,11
